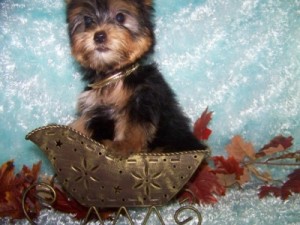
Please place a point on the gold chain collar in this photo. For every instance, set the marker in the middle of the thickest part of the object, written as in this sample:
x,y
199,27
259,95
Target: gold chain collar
x,y
114,78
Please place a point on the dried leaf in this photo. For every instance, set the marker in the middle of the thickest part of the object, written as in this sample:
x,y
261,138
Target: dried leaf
x,y
200,127
6,177
239,149
277,144
269,151
285,142
67,205
292,185
12,187
227,166
245,177
267,190
204,186
227,180
229,171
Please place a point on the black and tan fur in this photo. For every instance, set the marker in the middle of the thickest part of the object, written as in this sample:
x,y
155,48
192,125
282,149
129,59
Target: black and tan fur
x,y
139,112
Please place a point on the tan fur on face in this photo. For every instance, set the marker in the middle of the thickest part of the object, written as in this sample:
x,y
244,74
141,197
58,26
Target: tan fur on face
x,y
123,49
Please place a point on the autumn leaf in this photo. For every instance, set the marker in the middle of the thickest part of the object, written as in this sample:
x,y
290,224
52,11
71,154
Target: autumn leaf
x,y
12,187
269,151
292,185
227,166
229,171
277,144
286,142
200,127
239,149
6,177
67,205
204,186
267,190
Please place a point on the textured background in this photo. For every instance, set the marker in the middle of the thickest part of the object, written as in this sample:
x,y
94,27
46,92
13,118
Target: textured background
x,y
239,57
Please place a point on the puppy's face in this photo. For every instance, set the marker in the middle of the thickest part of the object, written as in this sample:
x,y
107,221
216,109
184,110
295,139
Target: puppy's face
x,y
107,35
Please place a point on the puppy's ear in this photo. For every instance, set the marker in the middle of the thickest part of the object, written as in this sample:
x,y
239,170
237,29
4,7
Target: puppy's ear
x,y
68,1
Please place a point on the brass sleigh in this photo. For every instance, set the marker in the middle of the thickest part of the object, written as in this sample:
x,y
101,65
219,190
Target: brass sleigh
x,y
97,180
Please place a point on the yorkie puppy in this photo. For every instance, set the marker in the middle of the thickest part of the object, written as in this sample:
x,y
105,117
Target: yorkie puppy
x,y
127,105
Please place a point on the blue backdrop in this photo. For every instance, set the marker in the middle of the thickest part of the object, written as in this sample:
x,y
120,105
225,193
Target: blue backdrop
x,y
239,57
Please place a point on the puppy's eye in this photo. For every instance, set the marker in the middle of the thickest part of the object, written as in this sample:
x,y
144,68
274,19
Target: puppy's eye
x,y
88,21
120,17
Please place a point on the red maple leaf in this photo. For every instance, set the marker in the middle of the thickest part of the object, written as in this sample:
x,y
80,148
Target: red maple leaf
x,y
201,131
229,171
277,144
267,190
227,166
286,142
204,186
67,205
12,188
292,185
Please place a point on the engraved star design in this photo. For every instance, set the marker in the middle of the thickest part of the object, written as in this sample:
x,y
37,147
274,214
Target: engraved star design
x,y
58,143
84,173
146,181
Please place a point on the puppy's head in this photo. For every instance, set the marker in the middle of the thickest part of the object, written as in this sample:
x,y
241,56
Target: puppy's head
x,y
107,35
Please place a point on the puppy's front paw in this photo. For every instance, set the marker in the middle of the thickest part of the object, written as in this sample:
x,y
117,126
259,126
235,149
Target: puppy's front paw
x,y
117,149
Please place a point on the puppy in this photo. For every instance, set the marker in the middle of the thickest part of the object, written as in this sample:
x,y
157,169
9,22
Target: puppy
x,y
127,105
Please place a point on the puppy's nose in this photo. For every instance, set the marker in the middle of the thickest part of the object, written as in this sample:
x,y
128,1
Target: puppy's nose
x,y
100,37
